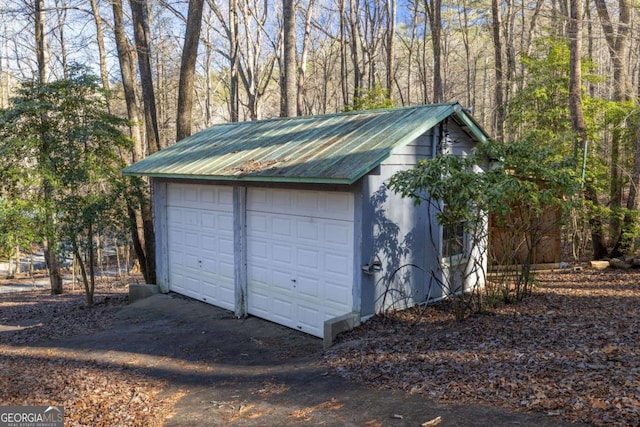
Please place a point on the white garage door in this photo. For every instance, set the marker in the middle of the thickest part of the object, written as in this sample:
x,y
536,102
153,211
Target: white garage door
x,y
200,242
299,256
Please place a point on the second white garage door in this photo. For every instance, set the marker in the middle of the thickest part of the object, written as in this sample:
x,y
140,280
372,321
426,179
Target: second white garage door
x,y
299,256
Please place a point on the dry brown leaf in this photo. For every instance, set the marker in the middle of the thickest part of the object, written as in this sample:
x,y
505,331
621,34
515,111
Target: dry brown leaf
x,y
433,422
574,337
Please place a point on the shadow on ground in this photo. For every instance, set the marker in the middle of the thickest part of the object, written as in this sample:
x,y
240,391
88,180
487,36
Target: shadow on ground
x,y
250,372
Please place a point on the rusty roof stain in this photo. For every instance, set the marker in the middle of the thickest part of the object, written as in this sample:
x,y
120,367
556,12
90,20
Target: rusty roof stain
x,y
337,148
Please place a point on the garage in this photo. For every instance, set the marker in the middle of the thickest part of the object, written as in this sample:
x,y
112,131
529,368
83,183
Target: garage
x,y
200,242
299,256
291,219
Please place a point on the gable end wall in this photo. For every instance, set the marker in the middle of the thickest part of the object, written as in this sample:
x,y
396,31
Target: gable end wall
x,y
404,239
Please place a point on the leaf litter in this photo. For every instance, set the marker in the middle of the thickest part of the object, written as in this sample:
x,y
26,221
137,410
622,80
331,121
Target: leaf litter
x,y
92,393
569,350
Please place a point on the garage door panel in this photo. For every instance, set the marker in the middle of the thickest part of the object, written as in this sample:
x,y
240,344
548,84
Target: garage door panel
x,y
190,194
336,264
221,267
211,197
191,217
227,297
183,237
260,304
226,222
208,222
258,274
190,240
216,197
340,203
283,199
258,248
307,232
200,241
309,258
308,319
281,310
187,280
336,293
309,287
218,295
297,252
225,247
282,280
329,205
337,233
258,225
209,244
282,227
307,203
282,253
187,260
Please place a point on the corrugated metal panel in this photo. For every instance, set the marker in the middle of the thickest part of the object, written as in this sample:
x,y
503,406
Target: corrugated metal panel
x,y
337,148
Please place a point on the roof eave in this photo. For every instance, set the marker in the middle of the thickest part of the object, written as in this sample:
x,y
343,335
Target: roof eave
x,y
246,178
474,129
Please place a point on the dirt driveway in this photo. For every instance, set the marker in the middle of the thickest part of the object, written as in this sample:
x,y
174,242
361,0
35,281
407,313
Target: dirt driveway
x,y
251,372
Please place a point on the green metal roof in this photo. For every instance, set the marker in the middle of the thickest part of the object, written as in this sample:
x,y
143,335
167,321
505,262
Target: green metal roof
x,y
336,148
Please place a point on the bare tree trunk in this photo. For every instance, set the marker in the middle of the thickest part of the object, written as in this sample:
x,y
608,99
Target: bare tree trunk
x,y
188,69
102,53
464,26
140,218
356,48
343,53
575,74
409,90
126,58
499,114
61,14
51,249
41,46
91,286
618,43
18,263
577,117
625,244
433,8
234,59
4,76
254,69
302,66
289,87
51,241
423,67
230,26
510,57
590,44
208,98
139,14
118,261
391,37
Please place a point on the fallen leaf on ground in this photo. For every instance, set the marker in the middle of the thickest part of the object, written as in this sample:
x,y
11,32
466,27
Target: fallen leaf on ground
x,y
569,350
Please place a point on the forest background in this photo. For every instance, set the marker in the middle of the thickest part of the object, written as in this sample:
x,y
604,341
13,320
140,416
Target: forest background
x,y
562,76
